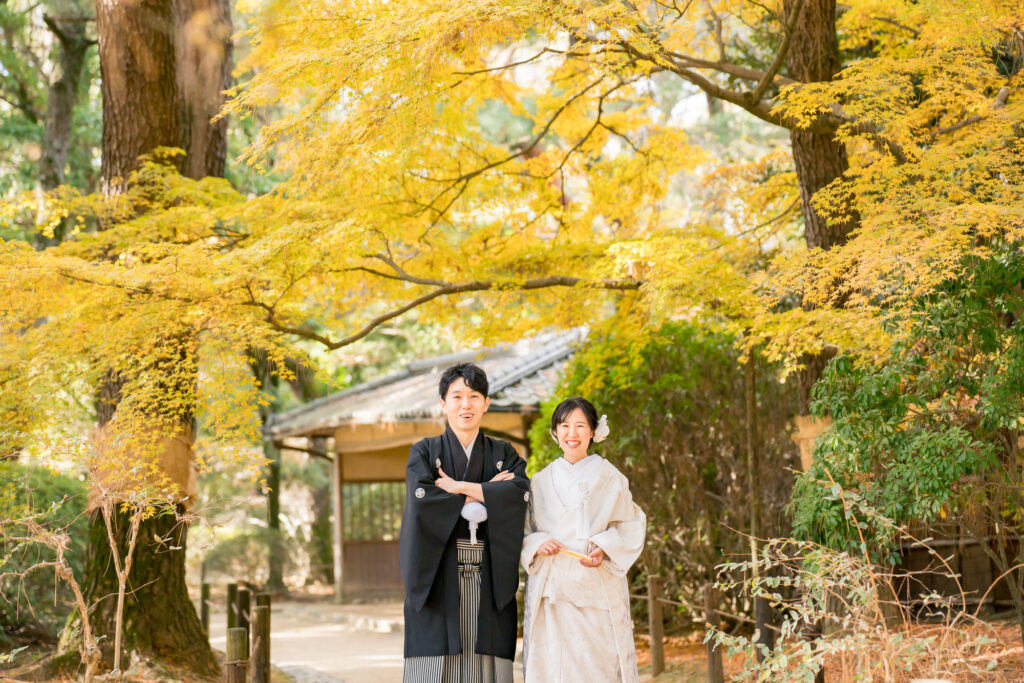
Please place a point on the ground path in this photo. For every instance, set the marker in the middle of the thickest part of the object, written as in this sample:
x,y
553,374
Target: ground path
x,y
326,643
321,642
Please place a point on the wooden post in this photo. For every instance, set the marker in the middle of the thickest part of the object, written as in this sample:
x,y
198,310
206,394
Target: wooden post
x,y
232,604
235,664
204,606
260,644
338,499
244,605
716,672
263,600
656,624
275,577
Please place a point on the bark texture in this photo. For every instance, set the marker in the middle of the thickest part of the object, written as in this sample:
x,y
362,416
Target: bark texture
x,y
160,621
137,72
203,53
73,44
819,158
164,65
813,57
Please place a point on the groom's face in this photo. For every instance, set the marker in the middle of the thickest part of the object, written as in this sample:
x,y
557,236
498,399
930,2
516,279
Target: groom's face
x,y
463,406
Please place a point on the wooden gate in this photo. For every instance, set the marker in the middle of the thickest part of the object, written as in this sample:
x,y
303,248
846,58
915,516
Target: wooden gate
x,y
372,519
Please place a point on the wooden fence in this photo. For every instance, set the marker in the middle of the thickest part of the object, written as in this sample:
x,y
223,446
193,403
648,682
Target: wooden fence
x,y
712,618
656,626
248,633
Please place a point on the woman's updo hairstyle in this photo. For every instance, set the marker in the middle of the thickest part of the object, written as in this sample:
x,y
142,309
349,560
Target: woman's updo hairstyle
x,y
566,408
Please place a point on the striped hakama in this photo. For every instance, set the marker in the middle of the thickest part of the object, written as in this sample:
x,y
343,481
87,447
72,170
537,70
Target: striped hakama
x,y
468,667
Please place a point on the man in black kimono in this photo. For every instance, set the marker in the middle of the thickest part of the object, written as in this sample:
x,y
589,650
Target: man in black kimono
x,y
460,606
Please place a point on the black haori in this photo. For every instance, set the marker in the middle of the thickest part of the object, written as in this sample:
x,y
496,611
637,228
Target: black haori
x,y
429,557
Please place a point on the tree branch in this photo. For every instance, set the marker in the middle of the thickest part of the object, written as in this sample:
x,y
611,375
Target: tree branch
x,y
462,181
448,289
1001,97
828,123
528,60
319,454
400,273
717,22
912,31
532,143
780,56
767,10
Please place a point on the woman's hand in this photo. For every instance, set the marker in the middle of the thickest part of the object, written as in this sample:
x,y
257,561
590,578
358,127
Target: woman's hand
x,y
549,547
596,558
503,476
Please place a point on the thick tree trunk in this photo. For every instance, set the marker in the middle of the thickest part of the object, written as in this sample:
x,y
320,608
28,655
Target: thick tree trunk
x,y
165,65
137,73
203,53
819,159
154,58
160,621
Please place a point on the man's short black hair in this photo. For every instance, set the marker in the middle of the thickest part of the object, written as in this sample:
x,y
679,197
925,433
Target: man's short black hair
x,y
472,375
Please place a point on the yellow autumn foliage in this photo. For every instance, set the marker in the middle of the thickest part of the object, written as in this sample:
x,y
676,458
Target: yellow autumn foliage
x,y
403,194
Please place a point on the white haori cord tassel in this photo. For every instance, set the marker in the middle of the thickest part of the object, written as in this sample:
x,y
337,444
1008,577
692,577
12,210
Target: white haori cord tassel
x,y
582,512
474,513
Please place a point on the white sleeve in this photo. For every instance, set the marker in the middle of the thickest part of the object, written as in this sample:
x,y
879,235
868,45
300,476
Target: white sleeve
x,y
623,540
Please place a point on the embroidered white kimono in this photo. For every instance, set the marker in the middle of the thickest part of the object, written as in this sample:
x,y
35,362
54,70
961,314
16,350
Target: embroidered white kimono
x,y
577,623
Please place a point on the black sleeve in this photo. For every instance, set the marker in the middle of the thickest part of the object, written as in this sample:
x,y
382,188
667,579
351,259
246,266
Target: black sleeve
x,y
428,520
506,503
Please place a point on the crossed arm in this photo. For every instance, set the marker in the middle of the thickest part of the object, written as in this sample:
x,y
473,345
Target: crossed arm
x,y
472,491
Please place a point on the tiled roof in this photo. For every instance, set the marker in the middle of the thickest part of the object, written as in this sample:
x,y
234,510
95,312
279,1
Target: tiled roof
x,y
521,375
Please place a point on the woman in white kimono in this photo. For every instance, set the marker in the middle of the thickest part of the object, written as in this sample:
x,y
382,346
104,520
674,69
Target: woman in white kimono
x,y
583,532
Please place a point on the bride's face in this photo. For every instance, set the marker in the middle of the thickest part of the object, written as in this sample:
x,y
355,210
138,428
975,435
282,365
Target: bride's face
x,y
574,434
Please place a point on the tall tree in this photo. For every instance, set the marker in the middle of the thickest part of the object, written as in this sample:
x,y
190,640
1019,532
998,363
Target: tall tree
x,y
443,171
74,43
164,66
820,158
44,49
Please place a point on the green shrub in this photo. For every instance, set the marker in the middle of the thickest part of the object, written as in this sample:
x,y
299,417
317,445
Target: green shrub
x,y
675,404
37,605
931,433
